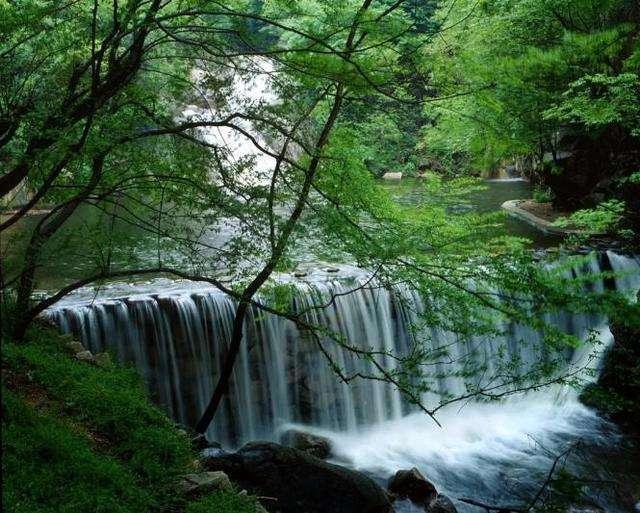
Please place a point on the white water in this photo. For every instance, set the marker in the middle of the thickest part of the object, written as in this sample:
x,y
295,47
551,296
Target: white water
x,y
492,451
249,88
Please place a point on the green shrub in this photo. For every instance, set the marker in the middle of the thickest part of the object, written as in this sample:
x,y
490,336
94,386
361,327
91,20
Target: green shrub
x,y
542,195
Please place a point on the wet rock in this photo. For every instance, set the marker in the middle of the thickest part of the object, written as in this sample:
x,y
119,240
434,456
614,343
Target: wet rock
x,y
213,451
412,485
205,482
297,482
617,391
441,504
315,445
392,176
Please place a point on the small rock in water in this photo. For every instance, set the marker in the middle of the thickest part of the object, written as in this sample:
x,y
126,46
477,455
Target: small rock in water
x,y
585,509
300,274
85,356
413,485
212,452
332,270
204,482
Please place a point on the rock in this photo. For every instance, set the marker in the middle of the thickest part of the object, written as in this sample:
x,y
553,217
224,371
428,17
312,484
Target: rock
x,y
205,482
300,274
212,450
85,356
332,270
412,485
298,482
102,359
315,445
441,504
392,176
75,347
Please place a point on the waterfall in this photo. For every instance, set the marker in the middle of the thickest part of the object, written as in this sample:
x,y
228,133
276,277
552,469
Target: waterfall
x,y
176,339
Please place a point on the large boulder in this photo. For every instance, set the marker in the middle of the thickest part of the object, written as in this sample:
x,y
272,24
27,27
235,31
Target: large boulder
x,y
291,481
315,445
412,485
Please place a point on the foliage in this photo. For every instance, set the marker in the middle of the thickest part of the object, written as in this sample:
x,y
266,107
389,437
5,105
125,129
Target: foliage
x,y
79,438
222,502
520,73
542,195
602,219
48,467
596,101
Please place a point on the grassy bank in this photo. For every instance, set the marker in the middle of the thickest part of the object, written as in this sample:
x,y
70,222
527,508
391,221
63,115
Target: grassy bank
x,y
78,437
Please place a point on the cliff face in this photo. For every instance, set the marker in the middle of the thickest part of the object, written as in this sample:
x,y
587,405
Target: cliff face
x,y
617,392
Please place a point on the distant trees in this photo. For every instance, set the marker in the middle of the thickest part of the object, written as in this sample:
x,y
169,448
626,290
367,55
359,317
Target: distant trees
x,y
544,78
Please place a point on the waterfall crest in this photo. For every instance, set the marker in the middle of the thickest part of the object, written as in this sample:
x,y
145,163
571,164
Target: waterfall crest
x,y
176,340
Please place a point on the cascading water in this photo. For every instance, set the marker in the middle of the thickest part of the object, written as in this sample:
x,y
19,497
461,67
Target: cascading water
x,y
176,339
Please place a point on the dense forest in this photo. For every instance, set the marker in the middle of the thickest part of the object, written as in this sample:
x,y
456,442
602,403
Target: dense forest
x,y
311,256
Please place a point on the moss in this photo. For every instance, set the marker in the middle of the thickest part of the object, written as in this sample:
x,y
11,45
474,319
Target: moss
x,y
225,501
80,438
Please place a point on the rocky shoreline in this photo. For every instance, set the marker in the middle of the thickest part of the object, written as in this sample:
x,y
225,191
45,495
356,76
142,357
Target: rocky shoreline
x,y
295,479
543,219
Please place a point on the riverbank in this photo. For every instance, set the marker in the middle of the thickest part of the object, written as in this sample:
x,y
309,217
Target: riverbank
x,y
82,436
540,215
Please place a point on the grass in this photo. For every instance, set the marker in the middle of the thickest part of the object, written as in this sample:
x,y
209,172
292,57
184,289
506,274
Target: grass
x,y
82,438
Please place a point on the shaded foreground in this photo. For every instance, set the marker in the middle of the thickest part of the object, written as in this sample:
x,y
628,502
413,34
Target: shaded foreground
x,y
84,438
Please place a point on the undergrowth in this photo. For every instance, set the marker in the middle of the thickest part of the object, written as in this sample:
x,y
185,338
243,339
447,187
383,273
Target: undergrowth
x,y
81,438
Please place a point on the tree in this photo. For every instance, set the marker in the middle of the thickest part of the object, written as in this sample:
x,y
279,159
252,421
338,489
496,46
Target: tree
x,y
91,121
520,60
